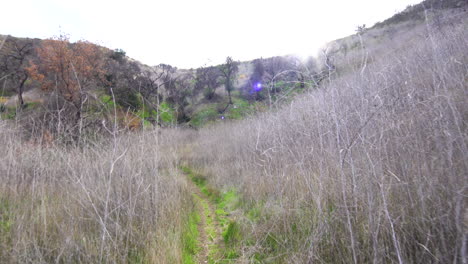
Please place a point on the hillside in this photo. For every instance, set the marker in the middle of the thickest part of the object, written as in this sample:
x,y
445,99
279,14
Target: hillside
x,y
196,97
356,156
369,168
159,95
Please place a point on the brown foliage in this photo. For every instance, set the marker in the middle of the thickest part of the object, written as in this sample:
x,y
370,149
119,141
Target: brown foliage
x,y
71,69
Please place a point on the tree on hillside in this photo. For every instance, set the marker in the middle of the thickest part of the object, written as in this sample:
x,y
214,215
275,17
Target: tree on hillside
x,y
167,81
229,71
121,76
151,83
207,80
138,88
306,71
13,63
118,55
278,69
178,89
70,70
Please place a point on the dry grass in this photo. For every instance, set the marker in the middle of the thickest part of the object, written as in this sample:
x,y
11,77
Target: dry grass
x,y
115,201
370,168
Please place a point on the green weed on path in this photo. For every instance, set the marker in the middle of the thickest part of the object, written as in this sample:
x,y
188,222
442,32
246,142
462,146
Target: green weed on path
x,y
190,239
219,234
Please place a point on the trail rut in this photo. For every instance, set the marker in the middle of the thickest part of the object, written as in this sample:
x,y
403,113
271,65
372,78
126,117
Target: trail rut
x,y
210,235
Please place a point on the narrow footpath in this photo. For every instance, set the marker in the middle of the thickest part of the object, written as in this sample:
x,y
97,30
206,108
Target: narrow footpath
x,y
210,239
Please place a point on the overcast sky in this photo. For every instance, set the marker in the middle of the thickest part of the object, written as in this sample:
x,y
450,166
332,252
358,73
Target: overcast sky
x,y
192,33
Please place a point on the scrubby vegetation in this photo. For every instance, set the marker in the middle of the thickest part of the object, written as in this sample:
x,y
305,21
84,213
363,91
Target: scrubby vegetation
x,y
371,167
116,201
358,156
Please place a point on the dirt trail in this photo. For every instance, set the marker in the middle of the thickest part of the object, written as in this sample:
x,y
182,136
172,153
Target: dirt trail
x,y
210,237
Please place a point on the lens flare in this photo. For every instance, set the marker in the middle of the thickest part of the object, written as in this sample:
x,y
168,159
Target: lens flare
x,y
258,87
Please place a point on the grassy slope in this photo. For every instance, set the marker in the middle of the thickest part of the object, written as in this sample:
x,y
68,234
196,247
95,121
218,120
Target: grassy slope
x,y
367,169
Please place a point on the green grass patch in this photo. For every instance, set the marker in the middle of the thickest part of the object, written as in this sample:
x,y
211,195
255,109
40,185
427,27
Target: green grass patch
x,y
190,239
32,105
229,199
185,169
146,114
205,115
6,223
5,217
215,111
201,183
198,179
8,113
107,101
232,233
227,202
239,109
167,113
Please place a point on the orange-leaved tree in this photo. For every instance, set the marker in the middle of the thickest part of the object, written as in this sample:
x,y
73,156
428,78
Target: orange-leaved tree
x,y
70,69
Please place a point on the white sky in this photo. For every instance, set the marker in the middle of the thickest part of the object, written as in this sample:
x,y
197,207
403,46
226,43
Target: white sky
x,y
192,33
